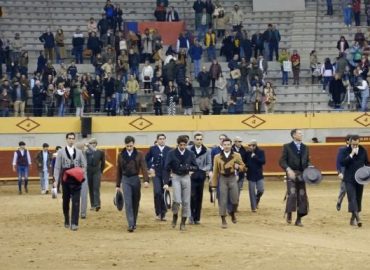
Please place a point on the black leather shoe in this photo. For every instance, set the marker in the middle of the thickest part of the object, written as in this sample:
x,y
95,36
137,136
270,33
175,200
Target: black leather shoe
x,y
174,221
131,229
338,206
352,221
298,223
97,208
233,217
289,218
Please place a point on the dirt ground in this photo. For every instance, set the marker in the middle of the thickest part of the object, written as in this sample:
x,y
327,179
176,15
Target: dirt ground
x,y
32,235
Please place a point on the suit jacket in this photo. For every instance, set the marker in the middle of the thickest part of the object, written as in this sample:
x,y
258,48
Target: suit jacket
x,y
340,156
95,159
63,161
155,159
294,159
223,165
40,160
351,165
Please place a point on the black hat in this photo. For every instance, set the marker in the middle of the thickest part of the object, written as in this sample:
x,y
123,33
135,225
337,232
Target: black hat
x,y
311,175
167,199
118,200
362,175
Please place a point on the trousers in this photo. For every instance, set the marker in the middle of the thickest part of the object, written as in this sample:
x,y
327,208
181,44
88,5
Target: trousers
x,y
297,199
181,194
93,177
132,194
197,186
229,191
160,207
71,192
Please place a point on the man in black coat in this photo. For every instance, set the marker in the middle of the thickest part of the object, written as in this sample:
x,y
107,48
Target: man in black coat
x,y
354,157
294,159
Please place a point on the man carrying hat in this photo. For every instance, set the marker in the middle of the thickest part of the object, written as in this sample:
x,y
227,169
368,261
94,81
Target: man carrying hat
x,y
67,158
238,148
130,162
226,168
155,159
294,159
354,158
21,163
95,159
255,159
340,170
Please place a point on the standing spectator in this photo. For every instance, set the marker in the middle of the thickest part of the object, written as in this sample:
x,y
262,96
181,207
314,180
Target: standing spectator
x,y
195,53
327,72
130,163
255,159
134,62
315,67
274,43
283,57
147,74
236,100
245,46
109,13
95,161
158,92
19,98
204,80
215,73
77,98
237,17
50,100
210,43
72,70
220,20
43,161
210,7
41,62
68,158
97,92
257,43
172,15
16,46
269,98
47,38
296,66
239,148
337,90
186,95
59,46
147,43
21,164
23,64
227,48
172,98
180,162
342,44
38,96
244,76
356,6
109,85
94,44
133,88
92,26
347,12
198,7
367,11
164,2
118,18
182,43
363,87
78,41
160,13
203,25
329,7
4,102
103,26
360,37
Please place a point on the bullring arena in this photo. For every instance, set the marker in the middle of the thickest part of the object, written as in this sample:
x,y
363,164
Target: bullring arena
x,y
33,234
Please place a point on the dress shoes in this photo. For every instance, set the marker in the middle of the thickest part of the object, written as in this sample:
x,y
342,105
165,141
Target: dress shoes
x,y
131,229
338,206
289,218
97,208
298,223
74,227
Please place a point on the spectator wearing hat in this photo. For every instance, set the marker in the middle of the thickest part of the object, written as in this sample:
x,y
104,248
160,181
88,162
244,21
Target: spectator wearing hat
x,y
239,148
340,170
354,157
95,160
21,164
294,159
155,159
255,159
226,166
43,161
203,159
67,158
130,163
180,162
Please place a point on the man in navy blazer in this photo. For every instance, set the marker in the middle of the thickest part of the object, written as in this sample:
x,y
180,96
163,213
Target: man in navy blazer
x,y
155,159
294,159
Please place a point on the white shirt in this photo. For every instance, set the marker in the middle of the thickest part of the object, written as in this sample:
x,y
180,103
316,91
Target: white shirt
x,y
363,85
227,154
198,149
45,155
15,157
129,153
181,152
161,147
70,150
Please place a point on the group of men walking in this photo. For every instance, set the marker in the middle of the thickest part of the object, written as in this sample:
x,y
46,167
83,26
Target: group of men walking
x,y
186,167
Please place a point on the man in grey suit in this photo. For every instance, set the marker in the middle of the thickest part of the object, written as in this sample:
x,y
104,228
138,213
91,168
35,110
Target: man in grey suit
x,y
67,158
294,159
95,166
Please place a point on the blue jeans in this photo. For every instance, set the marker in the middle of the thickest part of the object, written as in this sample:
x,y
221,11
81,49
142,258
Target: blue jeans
x,y
273,47
256,190
5,112
211,51
364,99
78,54
119,99
285,77
326,82
132,101
202,30
197,64
22,172
57,52
44,180
347,12
61,109
134,71
329,4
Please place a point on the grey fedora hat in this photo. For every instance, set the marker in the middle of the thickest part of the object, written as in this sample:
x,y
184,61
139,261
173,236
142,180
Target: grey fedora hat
x,y
118,200
362,175
167,199
311,175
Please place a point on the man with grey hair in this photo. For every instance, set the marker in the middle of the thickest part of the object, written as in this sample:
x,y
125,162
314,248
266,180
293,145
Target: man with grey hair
x,y
255,159
180,162
203,159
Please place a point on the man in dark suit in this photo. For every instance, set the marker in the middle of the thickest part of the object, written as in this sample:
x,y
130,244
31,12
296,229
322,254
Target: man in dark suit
x,y
295,158
155,159
354,158
95,166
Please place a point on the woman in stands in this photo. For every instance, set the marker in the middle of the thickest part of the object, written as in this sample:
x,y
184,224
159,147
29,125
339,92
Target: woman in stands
x,y
269,99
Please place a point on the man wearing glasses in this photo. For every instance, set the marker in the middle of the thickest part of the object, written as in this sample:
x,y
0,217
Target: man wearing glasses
x,y
255,159
95,166
180,162
294,159
67,158
203,159
354,158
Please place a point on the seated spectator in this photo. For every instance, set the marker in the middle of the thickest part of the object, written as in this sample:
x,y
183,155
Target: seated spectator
x,y
172,15
160,13
236,100
269,98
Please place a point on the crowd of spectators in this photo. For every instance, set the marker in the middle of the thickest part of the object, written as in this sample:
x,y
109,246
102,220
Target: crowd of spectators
x,y
127,63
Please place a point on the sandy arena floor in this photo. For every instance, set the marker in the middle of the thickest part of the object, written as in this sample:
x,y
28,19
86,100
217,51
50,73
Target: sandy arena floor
x,y
33,237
